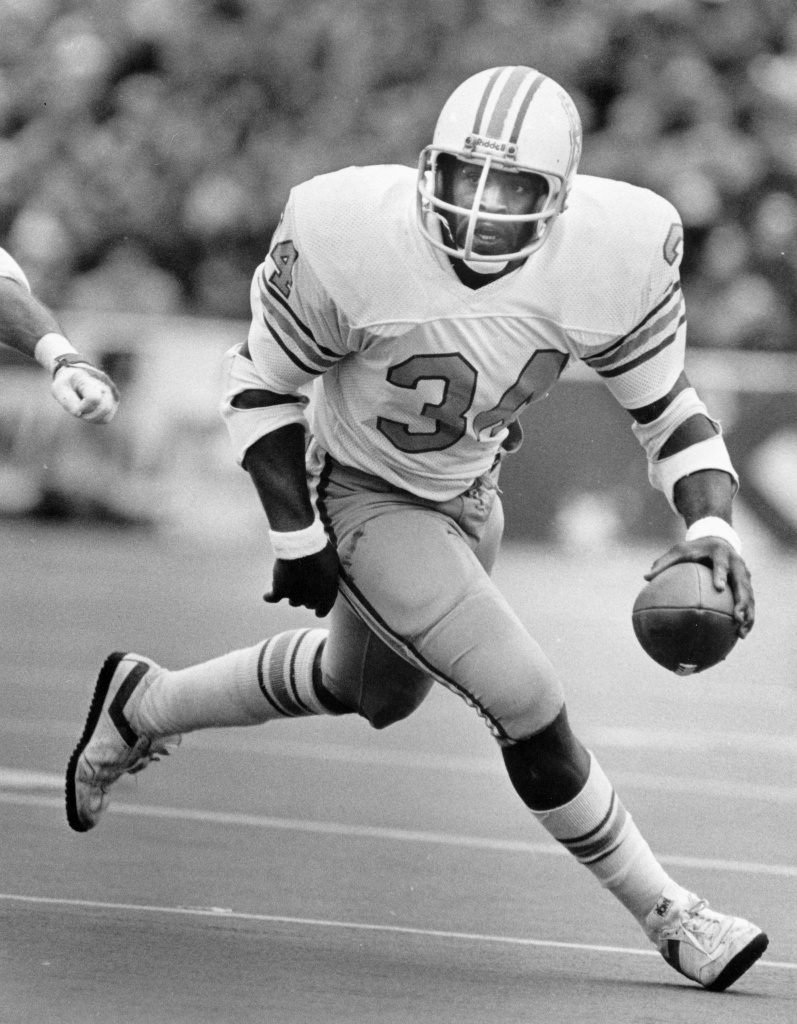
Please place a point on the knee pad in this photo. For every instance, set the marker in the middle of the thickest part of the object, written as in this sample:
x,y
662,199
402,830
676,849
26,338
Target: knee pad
x,y
383,706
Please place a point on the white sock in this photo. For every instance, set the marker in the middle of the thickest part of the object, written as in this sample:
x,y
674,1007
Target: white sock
x,y
596,828
273,679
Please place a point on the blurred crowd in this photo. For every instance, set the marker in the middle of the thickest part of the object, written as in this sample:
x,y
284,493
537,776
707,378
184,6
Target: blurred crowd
x,y
147,147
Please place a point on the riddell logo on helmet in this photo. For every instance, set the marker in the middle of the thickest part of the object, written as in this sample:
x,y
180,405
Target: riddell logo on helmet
x,y
491,145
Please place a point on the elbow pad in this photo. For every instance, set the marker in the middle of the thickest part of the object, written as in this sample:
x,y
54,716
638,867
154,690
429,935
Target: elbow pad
x,y
709,454
245,426
664,474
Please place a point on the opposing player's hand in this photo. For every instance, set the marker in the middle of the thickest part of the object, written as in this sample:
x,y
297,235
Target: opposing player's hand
x,y
728,569
85,392
309,582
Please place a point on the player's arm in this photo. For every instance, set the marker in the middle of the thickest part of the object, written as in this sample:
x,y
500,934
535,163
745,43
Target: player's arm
x,y
268,432
264,412
687,457
28,326
693,469
306,568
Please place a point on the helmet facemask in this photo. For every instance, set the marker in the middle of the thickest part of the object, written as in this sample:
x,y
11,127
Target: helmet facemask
x,y
463,218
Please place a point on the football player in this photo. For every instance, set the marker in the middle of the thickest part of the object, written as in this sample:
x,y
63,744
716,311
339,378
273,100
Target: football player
x,y
428,309
27,325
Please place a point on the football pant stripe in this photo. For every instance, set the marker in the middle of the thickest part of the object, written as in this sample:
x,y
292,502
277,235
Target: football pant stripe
x,y
524,106
400,645
405,649
484,99
646,356
497,125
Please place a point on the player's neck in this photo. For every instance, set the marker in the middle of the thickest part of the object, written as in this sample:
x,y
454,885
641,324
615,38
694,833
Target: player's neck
x,y
473,279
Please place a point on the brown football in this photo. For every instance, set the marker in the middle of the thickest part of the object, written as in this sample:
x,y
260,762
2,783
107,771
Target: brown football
x,y
682,621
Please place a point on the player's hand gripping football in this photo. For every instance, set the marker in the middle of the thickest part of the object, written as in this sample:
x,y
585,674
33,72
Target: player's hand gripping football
x,y
728,569
309,582
84,391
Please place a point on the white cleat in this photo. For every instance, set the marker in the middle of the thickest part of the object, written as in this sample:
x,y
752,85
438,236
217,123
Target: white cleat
x,y
710,948
110,746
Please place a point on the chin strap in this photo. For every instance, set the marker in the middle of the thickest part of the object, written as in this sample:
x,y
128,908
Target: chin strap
x,y
485,268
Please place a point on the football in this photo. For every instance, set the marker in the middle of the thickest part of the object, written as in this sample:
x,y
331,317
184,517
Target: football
x,y
682,621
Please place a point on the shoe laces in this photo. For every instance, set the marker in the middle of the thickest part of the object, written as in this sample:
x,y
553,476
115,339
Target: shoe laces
x,y
700,928
158,749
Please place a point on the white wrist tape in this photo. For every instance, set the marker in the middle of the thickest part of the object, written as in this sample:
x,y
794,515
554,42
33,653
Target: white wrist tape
x,y
245,426
708,454
49,347
299,543
713,526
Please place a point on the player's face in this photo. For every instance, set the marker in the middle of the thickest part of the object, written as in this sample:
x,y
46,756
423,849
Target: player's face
x,y
506,192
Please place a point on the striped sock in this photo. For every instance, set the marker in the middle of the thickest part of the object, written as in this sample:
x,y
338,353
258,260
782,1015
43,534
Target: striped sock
x,y
596,828
279,678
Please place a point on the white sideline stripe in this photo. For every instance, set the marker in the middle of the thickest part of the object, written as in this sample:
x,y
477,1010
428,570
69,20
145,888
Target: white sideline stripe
x,y
621,737
15,778
217,912
730,789
334,828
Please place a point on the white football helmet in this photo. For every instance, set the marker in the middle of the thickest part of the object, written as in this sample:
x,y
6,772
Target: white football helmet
x,y
509,119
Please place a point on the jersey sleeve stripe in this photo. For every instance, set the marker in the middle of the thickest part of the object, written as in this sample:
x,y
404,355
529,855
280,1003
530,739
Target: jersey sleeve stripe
x,y
296,319
275,318
659,306
293,358
632,365
664,324
273,294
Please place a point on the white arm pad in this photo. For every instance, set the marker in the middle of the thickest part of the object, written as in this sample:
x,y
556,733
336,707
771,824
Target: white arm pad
x,y
708,454
245,426
652,436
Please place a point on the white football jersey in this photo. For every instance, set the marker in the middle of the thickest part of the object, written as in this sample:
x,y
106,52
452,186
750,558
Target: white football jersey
x,y
418,376
10,268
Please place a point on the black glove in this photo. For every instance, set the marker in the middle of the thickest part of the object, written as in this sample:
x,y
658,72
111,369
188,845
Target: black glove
x,y
309,582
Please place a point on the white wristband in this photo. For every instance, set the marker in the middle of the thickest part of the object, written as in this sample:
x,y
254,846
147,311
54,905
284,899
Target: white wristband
x,y
713,526
299,543
49,347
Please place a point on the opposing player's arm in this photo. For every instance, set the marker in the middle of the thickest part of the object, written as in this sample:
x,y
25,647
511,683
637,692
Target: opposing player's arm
x,y
28,326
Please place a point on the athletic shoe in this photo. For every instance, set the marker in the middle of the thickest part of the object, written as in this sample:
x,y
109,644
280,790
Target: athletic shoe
x,y
712,949
110,746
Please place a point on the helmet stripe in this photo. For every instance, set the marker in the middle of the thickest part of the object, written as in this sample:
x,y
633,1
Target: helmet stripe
x,y
524,106
484,99
511,88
